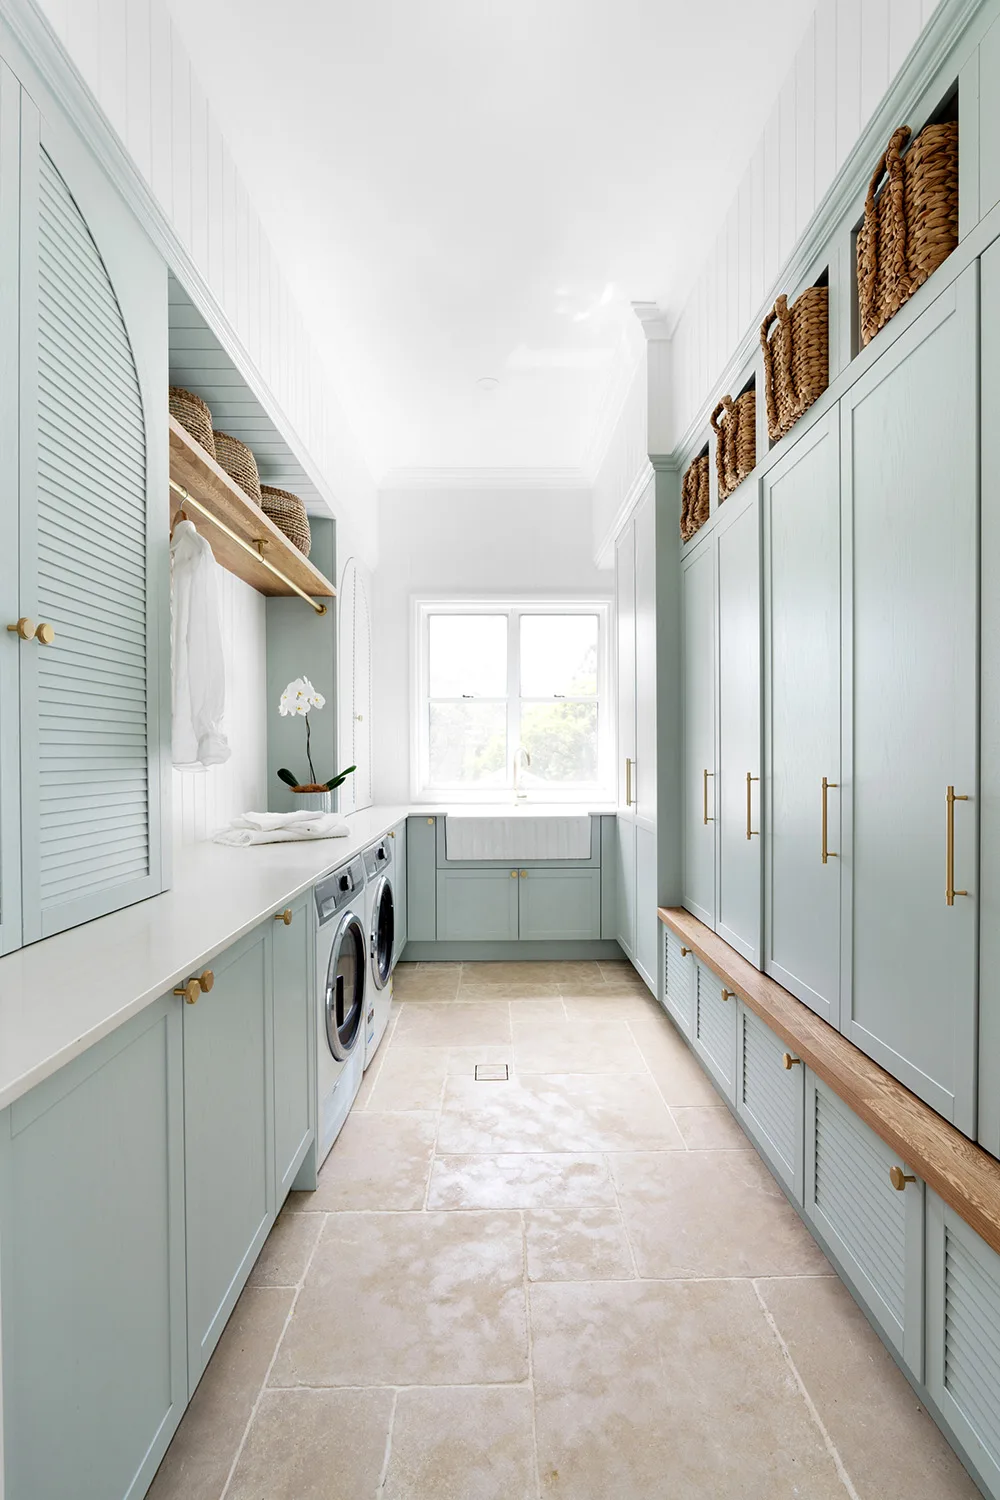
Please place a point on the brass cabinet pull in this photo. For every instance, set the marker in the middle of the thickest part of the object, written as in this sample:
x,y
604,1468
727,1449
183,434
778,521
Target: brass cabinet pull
x,y
704,796
431,822
284,916
729,994
524,874
899,1178
513,874
950,891
751,832
24,629
198,984
685,952
788,1062
628,781
45,634
392,833
827,786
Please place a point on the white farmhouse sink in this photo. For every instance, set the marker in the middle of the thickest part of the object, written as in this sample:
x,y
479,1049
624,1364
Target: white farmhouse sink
x,y
517,833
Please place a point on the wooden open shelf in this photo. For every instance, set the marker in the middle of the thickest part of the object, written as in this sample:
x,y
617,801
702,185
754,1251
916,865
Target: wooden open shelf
x,y
959,1171
208,483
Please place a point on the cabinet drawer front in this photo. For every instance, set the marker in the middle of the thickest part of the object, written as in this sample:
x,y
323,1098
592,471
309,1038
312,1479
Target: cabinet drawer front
x,y
963,1335
769,1099
715,1029
678,981
557,904
875,1231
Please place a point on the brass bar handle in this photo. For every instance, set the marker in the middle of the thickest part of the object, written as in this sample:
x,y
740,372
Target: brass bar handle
x,y
950,891
628,782
827,786
751,832
899,1179
704,796
284,916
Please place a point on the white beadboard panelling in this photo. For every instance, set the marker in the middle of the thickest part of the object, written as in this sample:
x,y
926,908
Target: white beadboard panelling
x,y
138,125
205,801
112,52
182,109
848,57
161,178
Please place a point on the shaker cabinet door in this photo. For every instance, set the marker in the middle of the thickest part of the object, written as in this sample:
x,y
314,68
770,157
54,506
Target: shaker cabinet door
x,y
698,732
740,800
909,433
293,1010
802,846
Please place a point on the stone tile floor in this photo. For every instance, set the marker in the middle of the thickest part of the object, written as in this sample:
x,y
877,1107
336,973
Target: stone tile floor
x,y
579,1284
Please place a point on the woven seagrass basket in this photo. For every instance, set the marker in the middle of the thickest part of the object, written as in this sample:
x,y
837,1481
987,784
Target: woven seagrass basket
x,y
796,357
911,226
288,513
193,415
694,497
735,426
239,463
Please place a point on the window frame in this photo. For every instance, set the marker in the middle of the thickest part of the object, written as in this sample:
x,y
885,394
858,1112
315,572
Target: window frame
x,y
514,608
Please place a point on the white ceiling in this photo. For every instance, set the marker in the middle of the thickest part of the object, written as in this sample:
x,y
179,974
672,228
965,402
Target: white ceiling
x,y
459,189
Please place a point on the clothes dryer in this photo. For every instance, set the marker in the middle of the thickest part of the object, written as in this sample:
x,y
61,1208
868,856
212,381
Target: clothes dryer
x,y
342,970
381,908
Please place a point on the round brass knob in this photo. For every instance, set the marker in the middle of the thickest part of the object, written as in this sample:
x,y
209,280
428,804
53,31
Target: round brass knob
x,y
392,833
789,1062
191,989
685,952
24,628
524,874
899,1178
206,980
431,821
513,874
45,634
729,994
284,916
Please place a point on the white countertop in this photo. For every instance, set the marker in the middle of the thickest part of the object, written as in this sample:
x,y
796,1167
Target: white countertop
x,y
60,996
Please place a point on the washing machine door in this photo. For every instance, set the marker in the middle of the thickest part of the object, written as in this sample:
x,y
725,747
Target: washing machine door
x,y
383,936
344,999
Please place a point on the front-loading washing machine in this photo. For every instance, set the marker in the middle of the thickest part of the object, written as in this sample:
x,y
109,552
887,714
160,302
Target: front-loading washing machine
x,y
342,969
381,908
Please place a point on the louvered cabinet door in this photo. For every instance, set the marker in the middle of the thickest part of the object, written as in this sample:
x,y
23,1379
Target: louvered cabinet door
x,y
874,1232
92,546
963,1336
714,1036
10,775
678,981
769,1099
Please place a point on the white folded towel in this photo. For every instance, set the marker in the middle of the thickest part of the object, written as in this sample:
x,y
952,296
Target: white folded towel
x,y
282,828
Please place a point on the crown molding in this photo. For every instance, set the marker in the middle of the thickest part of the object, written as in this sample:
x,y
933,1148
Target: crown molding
x,y
499,478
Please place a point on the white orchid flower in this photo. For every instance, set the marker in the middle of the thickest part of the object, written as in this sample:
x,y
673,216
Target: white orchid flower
x,y
299,697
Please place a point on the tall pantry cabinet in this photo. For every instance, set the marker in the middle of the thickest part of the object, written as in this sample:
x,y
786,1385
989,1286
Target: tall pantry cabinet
x,y
83,544
635,595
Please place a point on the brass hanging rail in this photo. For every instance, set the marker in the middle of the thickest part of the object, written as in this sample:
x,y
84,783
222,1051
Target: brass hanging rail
x,y
257,555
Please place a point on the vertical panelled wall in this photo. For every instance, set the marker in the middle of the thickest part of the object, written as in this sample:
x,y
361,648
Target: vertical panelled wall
x,y
851,52
132,59
205,801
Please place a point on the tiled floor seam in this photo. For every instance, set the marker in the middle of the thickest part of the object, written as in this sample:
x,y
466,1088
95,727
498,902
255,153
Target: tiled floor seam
x,y
434,1150
270,1366
380,1487
656,1084
621,1216
531,1351
828,1442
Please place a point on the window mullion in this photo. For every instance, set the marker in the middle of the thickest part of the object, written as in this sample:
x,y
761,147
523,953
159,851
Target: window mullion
x,y
513,689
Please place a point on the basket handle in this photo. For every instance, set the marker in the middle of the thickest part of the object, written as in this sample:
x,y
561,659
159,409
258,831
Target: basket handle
x,y
780,314
890,165
725,405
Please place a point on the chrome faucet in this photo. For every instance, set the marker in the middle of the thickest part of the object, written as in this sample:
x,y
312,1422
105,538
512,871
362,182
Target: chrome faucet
x,y
521,759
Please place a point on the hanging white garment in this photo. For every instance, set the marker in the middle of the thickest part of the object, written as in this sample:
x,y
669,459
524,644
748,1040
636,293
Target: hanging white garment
x,y
199,670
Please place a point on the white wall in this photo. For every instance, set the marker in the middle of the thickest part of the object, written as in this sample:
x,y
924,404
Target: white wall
x,y
851,52
456,542
205,801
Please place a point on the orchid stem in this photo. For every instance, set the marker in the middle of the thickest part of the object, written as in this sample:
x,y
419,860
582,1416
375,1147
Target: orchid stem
x,y
309,758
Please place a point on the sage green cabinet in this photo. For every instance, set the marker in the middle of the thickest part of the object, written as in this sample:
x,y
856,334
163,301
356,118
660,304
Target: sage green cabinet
x,y
989,792
769,1098
713,1033
909,435
92,1267
477,905
399,872
559,905
698,593
801,520
421,880
228,1139
293,1009
83,451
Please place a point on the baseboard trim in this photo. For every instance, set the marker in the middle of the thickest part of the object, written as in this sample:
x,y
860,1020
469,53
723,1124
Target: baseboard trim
x,y
591,951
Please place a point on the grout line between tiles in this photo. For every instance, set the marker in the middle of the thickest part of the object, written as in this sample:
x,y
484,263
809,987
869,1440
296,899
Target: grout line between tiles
x,y
621,1215
380,1487
829,1444
531,1350
657,1086
434,1150
270,1366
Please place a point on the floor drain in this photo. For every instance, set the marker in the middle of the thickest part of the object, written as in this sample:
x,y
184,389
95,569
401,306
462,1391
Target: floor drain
x,y
491,1073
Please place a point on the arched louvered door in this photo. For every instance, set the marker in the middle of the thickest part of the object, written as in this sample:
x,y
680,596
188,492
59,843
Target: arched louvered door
x,y
92,543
